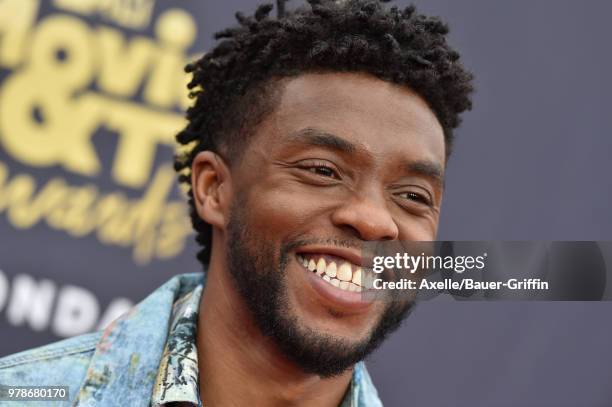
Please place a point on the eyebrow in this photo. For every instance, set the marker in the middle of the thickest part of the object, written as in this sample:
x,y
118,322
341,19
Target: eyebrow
x,y
427,169
321,138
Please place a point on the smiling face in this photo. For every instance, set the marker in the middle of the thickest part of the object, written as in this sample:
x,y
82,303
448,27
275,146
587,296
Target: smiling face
x,y
343,159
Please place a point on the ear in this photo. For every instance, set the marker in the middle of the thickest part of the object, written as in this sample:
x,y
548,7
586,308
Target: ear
x,y
212,188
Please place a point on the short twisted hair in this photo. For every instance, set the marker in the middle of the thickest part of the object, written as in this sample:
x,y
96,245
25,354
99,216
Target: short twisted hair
x,y
236,84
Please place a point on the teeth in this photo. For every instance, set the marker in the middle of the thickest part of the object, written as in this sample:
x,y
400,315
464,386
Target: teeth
x,y
357,276
344,272
321,266
342,277
331,269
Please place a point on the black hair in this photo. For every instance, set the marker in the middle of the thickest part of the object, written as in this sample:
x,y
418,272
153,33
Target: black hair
x,y
234,84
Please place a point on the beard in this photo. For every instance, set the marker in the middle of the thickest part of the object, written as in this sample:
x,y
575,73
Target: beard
x,y
260,278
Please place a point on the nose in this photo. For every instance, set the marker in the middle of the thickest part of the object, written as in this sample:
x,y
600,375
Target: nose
x,y
367,217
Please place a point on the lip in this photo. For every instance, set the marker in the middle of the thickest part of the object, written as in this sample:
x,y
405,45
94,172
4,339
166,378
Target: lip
x,y
350,302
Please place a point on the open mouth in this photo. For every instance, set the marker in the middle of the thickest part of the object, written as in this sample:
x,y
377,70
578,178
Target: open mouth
x,y
336,271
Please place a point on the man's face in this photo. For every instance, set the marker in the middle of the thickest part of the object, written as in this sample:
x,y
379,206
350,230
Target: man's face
x,y
344,159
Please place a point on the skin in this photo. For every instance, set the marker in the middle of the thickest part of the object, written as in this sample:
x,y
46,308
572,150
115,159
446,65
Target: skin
x,y
343,156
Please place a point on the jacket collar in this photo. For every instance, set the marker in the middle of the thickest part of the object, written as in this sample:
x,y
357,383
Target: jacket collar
x,y
150,353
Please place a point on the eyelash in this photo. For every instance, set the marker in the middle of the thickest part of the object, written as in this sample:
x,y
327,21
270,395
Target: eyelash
x,y
313,167
416,197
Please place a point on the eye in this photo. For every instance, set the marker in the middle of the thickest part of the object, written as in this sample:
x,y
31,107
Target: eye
x,y
416,197
323,171
320,168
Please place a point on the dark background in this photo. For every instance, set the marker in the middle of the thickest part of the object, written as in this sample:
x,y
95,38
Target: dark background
x,y
531,162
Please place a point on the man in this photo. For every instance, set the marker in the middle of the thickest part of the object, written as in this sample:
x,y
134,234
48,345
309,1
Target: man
x,y
311,134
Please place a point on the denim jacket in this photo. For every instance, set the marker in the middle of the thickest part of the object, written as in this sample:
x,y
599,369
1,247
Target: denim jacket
x,y
147,357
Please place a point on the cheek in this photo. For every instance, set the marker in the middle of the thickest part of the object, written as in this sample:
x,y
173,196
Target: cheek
x,y
287,211
419,229
282,212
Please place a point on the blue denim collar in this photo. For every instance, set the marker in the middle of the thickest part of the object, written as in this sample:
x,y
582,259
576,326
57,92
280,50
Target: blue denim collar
x,y
135,359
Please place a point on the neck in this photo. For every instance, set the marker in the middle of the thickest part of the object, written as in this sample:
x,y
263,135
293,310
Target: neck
x,y
239,366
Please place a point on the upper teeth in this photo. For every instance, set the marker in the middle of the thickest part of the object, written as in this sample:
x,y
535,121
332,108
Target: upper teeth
x,y
345,276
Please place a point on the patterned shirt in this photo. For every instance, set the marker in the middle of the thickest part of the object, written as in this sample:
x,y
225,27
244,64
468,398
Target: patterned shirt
x,y
136,362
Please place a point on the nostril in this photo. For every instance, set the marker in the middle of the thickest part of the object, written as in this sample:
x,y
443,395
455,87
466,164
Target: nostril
x,y
367,218
352,231
369,232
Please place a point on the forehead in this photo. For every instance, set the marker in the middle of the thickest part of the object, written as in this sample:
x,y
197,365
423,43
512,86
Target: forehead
x,y
383,117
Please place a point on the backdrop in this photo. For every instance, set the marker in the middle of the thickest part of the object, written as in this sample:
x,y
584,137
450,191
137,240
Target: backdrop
x,y
91,93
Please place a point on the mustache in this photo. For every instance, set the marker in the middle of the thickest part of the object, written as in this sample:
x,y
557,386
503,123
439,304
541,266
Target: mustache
x,y
333,241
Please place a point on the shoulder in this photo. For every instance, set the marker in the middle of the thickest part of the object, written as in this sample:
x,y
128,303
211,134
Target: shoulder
x,y
118,363
62,363
366,391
